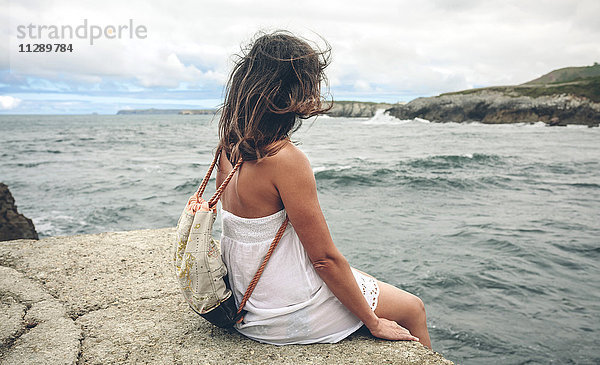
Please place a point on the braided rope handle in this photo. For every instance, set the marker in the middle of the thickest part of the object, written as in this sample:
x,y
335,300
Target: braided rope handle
x,y
217,195
261,268
208,173
215,198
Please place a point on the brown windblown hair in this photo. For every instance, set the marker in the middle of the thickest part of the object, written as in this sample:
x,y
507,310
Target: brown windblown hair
x,y
275,83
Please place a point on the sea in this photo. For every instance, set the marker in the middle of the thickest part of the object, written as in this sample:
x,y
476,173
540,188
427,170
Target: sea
x,y
495,227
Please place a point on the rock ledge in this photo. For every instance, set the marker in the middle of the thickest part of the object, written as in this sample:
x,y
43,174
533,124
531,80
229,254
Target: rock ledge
x,y
111,298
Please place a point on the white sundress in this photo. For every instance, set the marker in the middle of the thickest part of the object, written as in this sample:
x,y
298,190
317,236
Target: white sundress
x,y
291,304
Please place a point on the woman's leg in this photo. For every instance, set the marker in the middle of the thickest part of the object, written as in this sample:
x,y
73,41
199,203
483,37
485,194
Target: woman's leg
x,y
404,308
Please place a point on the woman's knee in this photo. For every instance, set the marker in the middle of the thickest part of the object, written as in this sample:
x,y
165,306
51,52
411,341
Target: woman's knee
x,y
397,304
418,307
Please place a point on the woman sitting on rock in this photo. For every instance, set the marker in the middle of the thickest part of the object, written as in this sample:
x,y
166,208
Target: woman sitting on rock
x,y
308,292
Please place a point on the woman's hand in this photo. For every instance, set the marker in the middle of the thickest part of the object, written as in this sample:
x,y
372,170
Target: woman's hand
x,y
390,330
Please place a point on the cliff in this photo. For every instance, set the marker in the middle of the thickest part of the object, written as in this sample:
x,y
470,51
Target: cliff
x,y
356,109
496,107
112,298
13,225
575,101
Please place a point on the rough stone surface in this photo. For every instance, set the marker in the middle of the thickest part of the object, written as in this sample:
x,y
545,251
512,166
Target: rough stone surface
x,y
13,225
11,319
34,327
498,107
118,289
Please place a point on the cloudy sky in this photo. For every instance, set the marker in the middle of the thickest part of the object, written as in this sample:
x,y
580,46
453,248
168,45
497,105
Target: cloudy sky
x,y
381,50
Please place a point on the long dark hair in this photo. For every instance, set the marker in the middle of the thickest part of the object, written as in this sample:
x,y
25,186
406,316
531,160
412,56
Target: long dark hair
x,y
274,84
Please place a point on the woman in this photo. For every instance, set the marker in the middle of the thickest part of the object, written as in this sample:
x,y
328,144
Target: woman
x,y
308,292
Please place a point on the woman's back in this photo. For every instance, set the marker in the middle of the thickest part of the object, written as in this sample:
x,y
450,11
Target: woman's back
x,y
252,192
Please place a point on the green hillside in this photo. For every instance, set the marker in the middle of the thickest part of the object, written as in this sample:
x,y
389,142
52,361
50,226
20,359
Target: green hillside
x,y
567,74
578,81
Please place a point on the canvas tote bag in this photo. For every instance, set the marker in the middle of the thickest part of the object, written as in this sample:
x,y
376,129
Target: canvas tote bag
x,y
199,269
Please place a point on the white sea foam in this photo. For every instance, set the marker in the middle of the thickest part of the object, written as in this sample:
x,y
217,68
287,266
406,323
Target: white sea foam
x,y
421,120
319,117
383,118
44,227
452,124
317,169
55,223
530,125
537,124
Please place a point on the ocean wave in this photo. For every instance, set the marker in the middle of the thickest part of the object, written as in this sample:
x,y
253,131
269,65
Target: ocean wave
x,y
475,346
383,118
587,250
432,172
56,223
541,168
504,246
454,161
390,177
351,175
584,185
29,164
29,150
499,181
446,281
439,183
530,125
319,169
421,120
190,184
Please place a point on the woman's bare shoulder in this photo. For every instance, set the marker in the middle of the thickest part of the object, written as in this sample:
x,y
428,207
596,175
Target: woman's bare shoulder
x,y
290,158
290,171
290,153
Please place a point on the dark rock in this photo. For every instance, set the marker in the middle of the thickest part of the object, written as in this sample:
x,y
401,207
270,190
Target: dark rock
x,y
13,225
495,107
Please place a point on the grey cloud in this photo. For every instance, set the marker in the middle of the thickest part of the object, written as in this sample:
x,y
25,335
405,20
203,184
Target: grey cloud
x,y
385,47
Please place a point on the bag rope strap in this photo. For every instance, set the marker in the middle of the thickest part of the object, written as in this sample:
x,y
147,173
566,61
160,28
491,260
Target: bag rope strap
x,y
213,201
217,195
261,268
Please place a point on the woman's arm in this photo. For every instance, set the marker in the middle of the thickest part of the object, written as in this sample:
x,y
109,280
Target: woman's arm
x,y
295,181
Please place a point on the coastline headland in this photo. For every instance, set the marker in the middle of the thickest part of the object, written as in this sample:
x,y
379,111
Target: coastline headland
x,y
347,109
167,111
111,298
561,97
